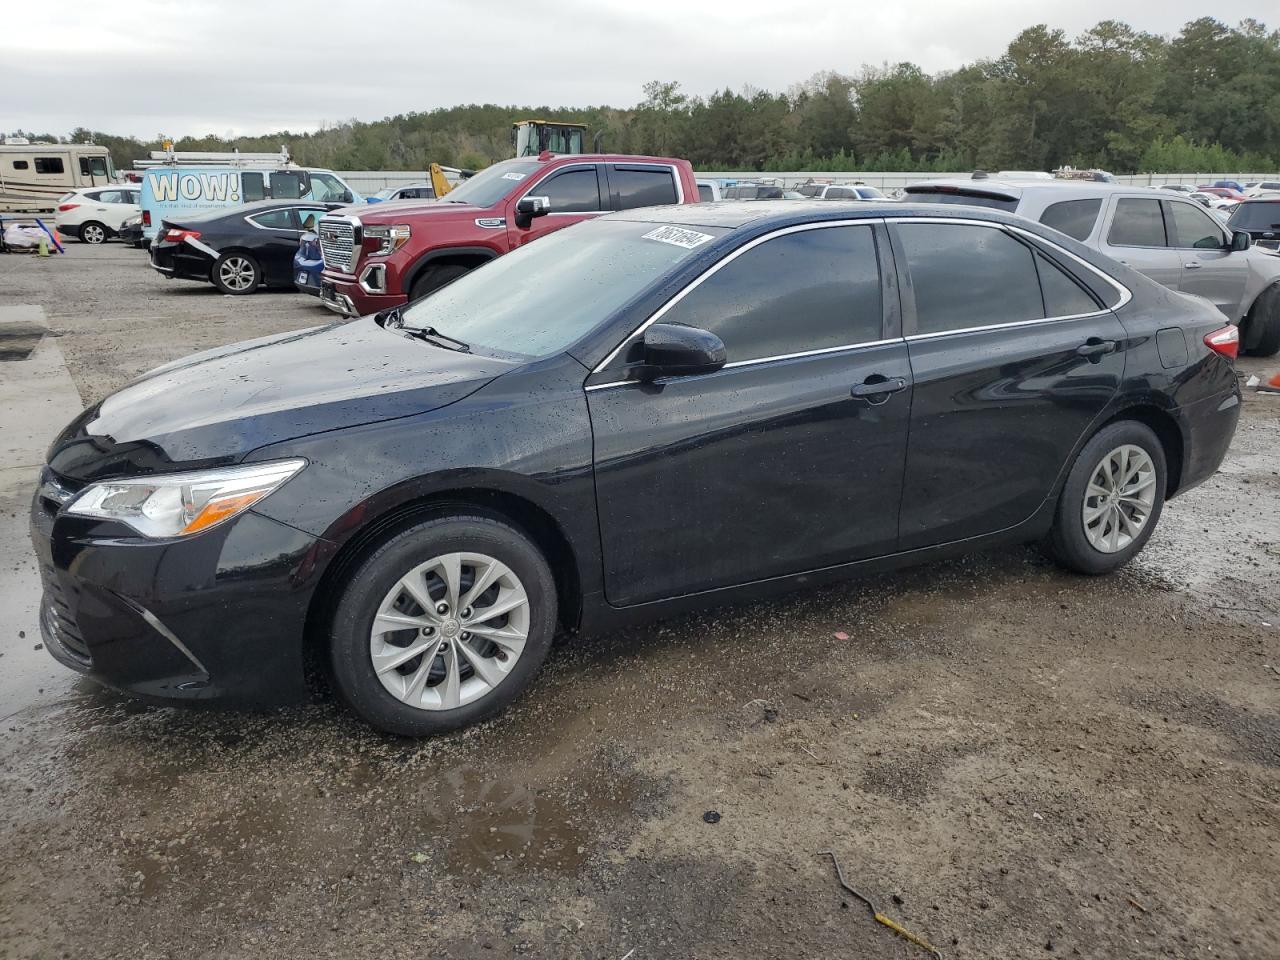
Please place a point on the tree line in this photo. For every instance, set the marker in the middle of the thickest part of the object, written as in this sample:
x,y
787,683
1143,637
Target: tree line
x,y
1206,99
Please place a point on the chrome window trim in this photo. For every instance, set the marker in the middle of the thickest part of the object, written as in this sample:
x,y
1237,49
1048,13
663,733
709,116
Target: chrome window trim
x,y
714,269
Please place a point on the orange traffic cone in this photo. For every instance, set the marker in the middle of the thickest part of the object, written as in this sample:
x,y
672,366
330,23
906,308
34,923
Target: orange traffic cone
x,y
1271,386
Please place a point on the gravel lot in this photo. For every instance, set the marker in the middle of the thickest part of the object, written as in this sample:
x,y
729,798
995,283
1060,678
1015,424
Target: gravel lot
x,y
1010,760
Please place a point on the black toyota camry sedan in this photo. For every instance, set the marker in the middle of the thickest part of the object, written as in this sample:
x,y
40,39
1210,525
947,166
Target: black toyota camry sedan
x,y
649,412
239,249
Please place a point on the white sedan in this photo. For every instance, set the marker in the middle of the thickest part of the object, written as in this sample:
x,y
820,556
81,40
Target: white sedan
x,y
94,215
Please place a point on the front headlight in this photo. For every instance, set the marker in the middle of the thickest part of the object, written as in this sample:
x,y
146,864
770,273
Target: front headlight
x,y
182,504
390,238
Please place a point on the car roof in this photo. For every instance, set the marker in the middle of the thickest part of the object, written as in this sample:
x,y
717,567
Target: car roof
x,y
732,214
1016,189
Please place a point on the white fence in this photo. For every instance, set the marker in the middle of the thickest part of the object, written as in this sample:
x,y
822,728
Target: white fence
x,y
371,181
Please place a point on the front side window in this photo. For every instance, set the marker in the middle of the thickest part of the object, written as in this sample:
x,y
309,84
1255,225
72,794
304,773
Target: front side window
x,y
49,165
1075,218
802,291
326,188
98,165
969,276
571,191
1137,223
1195,229
642,186
543,296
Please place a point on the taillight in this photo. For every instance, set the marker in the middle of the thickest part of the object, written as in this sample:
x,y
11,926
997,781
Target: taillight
x,y
146,218
174,235
1225,341
63,208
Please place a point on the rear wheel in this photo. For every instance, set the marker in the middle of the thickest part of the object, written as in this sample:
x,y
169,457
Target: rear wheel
x,y
93,232
1111,501
436,277
443,625
1261,334
236,273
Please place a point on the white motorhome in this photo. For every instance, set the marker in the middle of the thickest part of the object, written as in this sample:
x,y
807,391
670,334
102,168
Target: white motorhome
x,y
33,176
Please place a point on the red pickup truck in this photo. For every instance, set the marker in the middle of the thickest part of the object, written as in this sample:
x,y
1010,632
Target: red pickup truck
x,y
394,252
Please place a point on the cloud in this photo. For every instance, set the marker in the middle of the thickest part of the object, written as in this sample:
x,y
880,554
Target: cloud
x,y
249,67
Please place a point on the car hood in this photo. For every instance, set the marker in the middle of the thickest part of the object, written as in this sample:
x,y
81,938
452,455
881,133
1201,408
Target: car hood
x,y
218,406
395,211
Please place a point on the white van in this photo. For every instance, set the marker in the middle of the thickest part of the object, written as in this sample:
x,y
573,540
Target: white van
x,y
185,186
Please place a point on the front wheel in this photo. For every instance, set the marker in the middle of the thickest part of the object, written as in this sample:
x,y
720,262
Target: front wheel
x,y
93,232
443,625
1111,501
236,274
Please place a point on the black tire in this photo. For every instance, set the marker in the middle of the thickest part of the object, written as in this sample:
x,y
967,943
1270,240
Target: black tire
x,y
436,277
236,273
1261,334
1068,543
91,231
369,583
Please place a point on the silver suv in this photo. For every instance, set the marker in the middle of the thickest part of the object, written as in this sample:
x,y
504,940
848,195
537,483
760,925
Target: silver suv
x,y
1158,232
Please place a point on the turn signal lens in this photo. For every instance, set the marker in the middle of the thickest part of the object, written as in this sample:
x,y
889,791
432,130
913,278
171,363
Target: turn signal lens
x,y
64,207
1225,341
183,504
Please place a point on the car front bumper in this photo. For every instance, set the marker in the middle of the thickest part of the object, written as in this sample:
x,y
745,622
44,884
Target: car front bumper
x,y
346,295
218,616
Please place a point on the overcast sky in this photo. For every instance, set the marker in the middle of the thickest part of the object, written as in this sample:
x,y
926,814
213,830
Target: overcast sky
x,y
255,66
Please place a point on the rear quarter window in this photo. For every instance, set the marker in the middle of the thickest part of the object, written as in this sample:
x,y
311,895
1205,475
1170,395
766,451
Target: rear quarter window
x,y
1075,218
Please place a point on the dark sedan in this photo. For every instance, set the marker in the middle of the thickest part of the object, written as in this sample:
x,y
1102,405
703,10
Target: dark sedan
x,y
1260,218
649,412
239,249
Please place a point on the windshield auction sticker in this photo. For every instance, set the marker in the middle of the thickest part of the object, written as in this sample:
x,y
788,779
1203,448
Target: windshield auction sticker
x,y
679,237
513,176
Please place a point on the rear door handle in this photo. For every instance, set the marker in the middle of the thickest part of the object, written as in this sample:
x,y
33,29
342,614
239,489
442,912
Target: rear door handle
x,y
878,388
1096,349
1192,265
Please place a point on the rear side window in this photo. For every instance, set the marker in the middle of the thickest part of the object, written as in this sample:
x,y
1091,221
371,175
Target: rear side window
x,y
274,219
840,193
803,291
572,191
1137,223
20,165
642,186
1063,297
84,167
286,185
1256,215
49,165
111,196
1194,228
1075,218
705,193
251,187
969,276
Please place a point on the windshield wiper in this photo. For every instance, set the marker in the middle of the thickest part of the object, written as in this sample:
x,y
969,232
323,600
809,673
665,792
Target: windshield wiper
x,y
432,335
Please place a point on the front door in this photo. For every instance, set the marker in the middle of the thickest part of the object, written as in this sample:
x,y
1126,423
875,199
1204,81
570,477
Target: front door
x,y
573,194
1012,361
1209,268
789,458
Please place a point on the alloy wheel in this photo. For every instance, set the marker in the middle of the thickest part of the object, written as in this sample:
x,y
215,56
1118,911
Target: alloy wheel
x,y
449,631
1119,498
94,234
236,273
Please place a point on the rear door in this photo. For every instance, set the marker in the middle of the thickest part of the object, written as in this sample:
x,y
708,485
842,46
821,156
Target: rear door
x,y
274,239
633,185
1012,360
1209,269
574,193
790,457
1135,234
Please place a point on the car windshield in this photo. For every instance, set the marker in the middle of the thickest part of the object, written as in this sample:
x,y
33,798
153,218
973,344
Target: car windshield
x,y
386,194
542,297
493,183
1256,216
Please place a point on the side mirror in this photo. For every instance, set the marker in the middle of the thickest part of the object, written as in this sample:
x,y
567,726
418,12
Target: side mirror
x,y
347,196
1240,240
674,350
529,207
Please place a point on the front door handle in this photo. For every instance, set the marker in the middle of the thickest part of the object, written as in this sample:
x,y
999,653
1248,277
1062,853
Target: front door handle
x,y
1192,265
1096,349
877,388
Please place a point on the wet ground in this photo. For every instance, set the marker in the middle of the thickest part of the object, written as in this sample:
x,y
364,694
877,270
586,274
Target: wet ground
x,y
1010,760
